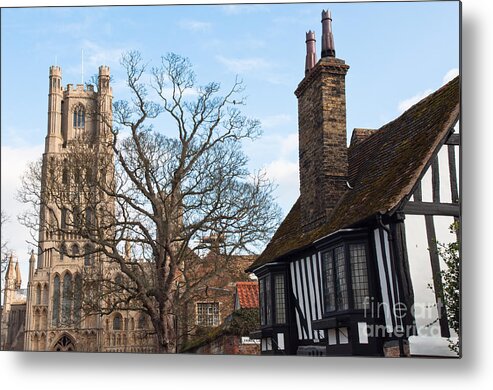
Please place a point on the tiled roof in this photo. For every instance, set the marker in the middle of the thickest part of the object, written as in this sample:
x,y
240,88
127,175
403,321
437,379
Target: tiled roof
x,y
247,294
383,169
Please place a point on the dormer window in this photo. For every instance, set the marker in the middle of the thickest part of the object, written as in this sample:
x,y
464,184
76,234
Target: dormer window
x,y
79,117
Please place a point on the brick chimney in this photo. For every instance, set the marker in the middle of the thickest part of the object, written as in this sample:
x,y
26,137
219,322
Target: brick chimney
x,y
323,154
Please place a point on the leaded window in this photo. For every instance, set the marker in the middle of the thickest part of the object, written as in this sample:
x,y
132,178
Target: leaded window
x,y
280,300
262,302
345,277
272,297
208,314
340,279
268,300
359,274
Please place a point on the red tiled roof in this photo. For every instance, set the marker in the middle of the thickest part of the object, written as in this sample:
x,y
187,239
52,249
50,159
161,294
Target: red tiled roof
x,y
247,293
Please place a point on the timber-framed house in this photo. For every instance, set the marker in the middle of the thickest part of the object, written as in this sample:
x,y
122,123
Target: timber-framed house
x,y
354,269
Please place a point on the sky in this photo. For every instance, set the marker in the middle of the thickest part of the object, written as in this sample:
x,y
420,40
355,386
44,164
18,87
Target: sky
x,y
397,53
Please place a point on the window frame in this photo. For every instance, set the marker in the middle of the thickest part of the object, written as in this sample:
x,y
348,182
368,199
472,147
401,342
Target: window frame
x,y
117,323
269,301
79,117
216,321
348,275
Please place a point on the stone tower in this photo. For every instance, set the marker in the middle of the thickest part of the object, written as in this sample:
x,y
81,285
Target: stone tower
x,y
14,307
323,155
78,160
78,117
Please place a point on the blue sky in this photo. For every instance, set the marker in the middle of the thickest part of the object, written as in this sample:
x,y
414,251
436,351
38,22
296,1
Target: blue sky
x,y
398,53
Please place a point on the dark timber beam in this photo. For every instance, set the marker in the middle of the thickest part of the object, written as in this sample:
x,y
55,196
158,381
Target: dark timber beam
x,y
454,139
437,276
430,208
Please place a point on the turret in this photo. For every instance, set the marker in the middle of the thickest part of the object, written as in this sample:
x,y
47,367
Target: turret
x,y
104,102
18,278
55,95
12,282
32,260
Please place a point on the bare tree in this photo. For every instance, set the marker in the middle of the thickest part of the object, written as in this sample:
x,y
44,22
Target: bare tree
x,y
143,199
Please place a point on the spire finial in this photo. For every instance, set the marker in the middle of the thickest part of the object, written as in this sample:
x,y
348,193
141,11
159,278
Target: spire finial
x,y
328,48
311,55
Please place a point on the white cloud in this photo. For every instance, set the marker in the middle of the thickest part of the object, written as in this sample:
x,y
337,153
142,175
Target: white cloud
x,y
450,75
275,120
96,55
242,65
284,173
289,145
407,103
195,25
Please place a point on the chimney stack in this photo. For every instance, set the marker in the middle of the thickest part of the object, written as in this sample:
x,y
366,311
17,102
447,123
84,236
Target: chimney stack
x,y
323,154
311,54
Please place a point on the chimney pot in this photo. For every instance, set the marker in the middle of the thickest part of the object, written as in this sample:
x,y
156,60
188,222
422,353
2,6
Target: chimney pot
x,y
311,55
328,48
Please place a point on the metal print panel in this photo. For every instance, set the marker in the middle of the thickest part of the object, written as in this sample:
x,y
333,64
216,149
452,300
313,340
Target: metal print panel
x,y
263,179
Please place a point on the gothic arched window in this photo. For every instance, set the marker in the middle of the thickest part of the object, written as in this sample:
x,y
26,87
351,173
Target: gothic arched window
x,y
38,295
65,174
63,251
56,300
45,294
75,250
78,299
89,218
142,322
79,117
67,298
117,322
88,255
65,344
64,218
77,217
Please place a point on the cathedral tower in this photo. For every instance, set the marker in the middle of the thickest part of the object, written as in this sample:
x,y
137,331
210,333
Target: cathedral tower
x,y
79,118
